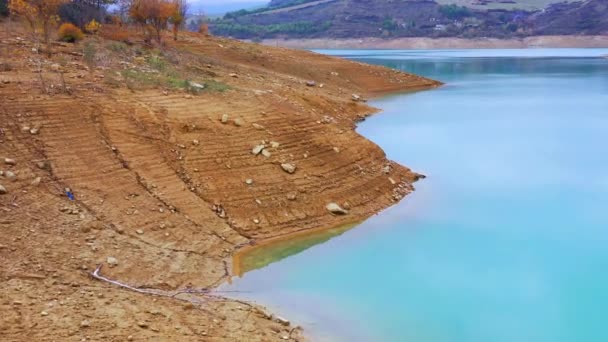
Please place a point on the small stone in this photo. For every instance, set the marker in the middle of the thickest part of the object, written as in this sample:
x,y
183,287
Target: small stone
x,y
3,190
257,149
256,221
249,181
288,167
44,313
36,181
139,231
142,324
42,165
311,83
196,86
195,142
282,321
34,131
10,175
238,122
392,181
292,196
336,149
266,153
356,97
274,144
257,126
85,323
55,67
9,161
112,261
258,201
285,337
386,169
233,75
224,118
334,208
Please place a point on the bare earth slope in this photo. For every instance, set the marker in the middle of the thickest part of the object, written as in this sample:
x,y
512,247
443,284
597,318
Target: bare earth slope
x,y
160,183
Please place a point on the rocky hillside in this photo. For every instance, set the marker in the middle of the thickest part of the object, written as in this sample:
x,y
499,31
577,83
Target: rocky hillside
x,y
410,18
159,164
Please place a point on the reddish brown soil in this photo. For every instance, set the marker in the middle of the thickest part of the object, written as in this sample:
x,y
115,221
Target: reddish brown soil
x,y
145,193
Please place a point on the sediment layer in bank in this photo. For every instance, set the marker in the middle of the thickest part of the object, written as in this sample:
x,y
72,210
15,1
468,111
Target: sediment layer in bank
x,y
165,183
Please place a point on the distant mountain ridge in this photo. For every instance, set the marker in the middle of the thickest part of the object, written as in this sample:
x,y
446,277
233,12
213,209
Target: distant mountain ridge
x,y
413,18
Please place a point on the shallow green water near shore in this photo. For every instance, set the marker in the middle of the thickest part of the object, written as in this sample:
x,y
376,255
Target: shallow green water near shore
x,y
506,240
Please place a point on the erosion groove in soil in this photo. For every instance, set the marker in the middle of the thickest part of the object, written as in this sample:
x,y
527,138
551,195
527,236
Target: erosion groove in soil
x,y
145,192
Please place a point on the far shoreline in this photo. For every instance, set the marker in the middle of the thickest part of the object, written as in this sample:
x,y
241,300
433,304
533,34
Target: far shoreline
x,y
599,41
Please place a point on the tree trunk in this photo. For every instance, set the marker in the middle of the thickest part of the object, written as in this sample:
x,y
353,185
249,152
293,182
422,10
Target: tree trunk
x,y
47,38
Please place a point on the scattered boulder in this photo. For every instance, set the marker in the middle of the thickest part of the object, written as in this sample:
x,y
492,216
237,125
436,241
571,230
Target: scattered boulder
x,y
249,181
224,118
311,83
282,321
356,97
10,175
288,167
238,122
85,323
266,153
139,231
195,142
292,196
334,208
196,86
35,131
10,161
257,149
233,75
43,165
257,126
3,190
36,181
256,221
112,261
327,119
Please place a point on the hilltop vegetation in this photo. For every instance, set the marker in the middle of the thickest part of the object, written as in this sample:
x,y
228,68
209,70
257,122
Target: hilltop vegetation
x,y
412,18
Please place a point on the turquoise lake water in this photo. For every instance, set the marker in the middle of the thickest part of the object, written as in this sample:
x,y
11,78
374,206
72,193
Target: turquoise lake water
x,y
507,238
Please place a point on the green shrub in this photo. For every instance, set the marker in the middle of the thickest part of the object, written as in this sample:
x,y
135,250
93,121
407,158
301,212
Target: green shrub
x,y
455,11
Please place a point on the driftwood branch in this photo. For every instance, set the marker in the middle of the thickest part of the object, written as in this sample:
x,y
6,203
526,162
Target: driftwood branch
x,y
204,292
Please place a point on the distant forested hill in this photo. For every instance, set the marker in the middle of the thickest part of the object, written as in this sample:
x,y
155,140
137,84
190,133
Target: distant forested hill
x,y
415,18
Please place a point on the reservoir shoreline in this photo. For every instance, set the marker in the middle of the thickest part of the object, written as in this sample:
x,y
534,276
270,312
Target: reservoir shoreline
x,y
600,41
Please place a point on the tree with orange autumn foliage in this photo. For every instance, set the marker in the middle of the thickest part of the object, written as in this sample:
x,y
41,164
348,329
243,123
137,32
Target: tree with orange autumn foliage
x,y
178,17
38,12
153,13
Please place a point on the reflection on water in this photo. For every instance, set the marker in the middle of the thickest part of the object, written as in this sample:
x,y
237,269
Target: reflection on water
x,y
255,257
504,241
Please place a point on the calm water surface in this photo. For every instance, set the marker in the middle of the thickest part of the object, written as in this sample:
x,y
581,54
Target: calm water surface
x,y
507,238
